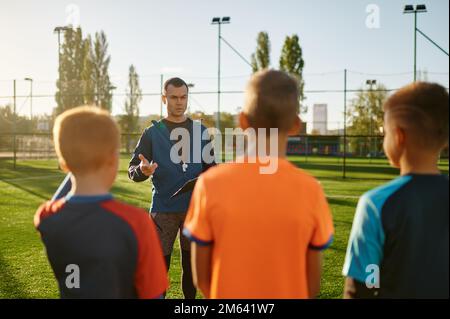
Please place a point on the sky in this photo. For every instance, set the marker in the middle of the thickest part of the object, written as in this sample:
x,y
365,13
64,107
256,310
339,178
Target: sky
x,y
371,39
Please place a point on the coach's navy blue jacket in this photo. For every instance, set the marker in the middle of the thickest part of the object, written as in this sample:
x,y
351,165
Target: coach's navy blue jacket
x,y
155,145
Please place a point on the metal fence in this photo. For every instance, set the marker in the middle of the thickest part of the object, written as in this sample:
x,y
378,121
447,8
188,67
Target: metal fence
x,y
40,145
323,155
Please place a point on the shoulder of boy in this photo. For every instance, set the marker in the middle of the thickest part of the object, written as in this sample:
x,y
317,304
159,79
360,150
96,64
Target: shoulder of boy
x,y
47,209
136,212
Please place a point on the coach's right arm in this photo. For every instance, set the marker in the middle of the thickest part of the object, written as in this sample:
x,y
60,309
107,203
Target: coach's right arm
x,y
141,165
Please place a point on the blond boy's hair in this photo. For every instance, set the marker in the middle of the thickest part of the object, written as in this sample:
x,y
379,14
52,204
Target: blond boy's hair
x,y
85,137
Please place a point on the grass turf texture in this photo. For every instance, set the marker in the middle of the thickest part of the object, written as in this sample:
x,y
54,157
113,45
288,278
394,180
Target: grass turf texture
x,y
25,272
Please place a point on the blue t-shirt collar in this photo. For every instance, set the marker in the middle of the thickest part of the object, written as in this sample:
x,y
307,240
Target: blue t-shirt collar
x,y
83,199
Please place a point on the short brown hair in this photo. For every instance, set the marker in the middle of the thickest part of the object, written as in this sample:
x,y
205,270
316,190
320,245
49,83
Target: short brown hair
x,y
272,100
85,137
176,82
422,109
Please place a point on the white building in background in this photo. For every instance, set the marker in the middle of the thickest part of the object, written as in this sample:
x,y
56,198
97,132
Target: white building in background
x,y
43,125
320,118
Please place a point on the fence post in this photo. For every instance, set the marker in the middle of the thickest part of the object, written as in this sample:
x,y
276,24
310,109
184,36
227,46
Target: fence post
x,y
161,90
306,149
14,128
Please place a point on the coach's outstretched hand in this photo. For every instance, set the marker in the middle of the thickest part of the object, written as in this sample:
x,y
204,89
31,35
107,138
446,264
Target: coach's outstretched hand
x,y
146,167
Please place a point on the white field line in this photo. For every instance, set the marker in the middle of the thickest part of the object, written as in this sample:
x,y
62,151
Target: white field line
x,y
343,196
31,178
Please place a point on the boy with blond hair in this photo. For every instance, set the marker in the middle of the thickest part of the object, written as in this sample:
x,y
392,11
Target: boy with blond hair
x,y
398,247
257,235
97,246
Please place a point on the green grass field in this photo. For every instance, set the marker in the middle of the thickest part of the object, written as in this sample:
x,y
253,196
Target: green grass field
x,y
25,272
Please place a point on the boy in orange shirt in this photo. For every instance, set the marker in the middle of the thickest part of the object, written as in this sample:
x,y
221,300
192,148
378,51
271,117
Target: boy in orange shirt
x,y
257,235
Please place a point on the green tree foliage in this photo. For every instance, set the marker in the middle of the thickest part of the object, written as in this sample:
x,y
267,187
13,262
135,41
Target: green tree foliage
x,y
227,120
69,85
129,122
291,61
100,60
87,73
10,123
261,58
365,117
83,70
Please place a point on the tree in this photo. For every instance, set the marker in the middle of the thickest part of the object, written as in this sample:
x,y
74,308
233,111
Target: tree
x,y
87,73
69,85
227,120
365,116
129,121
13,123
100,76
207,119
83,70
261,58
291,61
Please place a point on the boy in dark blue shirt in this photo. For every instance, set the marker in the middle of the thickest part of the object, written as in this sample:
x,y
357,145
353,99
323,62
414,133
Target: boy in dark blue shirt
x,y
97,246
399,243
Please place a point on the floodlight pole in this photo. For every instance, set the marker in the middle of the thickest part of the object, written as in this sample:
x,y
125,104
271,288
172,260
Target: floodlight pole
x,y
371,83
31,96
160,98
345,126
58,30
415,9
415,45
218,77
219,21
14,128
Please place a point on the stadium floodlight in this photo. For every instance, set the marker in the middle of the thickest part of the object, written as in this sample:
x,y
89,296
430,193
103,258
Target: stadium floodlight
x,y
421,8
408,9
61,29
226,20
215,20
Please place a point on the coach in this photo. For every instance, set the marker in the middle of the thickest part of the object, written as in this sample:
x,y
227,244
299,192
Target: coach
x,y
152,157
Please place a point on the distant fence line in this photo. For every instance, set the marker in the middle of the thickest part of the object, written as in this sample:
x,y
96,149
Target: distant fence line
x,y
39,145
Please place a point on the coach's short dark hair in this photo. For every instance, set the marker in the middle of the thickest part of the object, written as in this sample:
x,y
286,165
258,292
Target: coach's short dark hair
x,y
176,82
272,100
422,109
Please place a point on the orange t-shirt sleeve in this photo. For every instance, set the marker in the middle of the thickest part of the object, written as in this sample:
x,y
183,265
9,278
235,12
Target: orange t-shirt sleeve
x,y
322,236
197,226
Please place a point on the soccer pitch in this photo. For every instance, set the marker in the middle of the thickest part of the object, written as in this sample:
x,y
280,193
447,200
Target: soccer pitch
x,y
25,272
